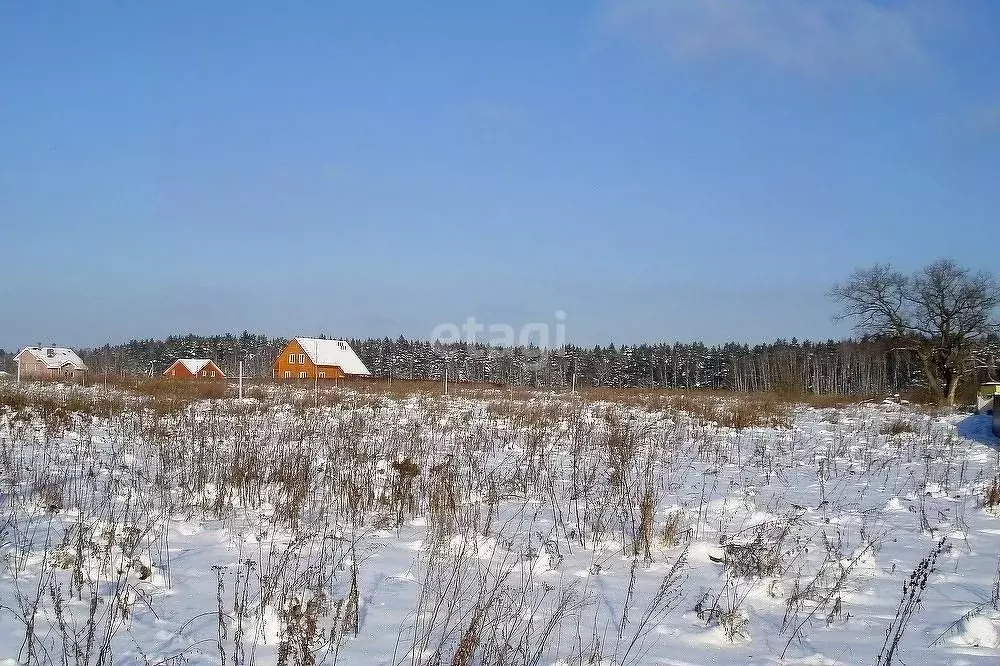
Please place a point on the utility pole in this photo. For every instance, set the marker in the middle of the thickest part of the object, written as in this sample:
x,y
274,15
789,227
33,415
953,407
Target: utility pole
x,y
243,357
447,356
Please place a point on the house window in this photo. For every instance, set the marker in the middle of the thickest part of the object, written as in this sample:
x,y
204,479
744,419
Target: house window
x,y
291,358
302,375
204,373
213,373
288,374
322,375
173,373
302,358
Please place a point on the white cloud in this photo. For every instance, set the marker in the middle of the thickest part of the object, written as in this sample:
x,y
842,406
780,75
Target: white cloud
x,y
804,37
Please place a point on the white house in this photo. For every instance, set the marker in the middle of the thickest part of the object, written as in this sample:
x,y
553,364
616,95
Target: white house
x,y
49,363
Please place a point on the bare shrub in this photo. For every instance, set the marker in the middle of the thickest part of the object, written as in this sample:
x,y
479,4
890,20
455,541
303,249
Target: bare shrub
x,y
725,610
757,412
760,551
898,427
991,496
407,471
913,591
50,495
674,529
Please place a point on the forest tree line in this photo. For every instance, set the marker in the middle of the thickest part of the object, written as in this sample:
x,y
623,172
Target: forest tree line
x,y
867,366
933,329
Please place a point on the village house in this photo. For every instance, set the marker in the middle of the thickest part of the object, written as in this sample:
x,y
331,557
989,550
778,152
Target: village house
x,y
316,358
194,368
49,363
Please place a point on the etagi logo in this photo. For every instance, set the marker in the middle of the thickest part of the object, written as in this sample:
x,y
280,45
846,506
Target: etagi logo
x,y
537,333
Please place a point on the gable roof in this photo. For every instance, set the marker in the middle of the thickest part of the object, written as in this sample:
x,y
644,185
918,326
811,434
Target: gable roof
x,y
54,358
333,352
193,365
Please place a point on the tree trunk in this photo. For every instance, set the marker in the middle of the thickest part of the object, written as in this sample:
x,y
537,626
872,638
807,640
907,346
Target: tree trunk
x,y
933,383
953,389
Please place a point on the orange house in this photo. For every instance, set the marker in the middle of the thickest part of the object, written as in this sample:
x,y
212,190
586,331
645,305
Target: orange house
x,y
194,368
316,358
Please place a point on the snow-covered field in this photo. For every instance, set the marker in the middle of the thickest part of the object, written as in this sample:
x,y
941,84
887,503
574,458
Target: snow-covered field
x,y
491,529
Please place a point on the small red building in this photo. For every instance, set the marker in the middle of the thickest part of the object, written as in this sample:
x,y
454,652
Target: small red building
x,y
194,368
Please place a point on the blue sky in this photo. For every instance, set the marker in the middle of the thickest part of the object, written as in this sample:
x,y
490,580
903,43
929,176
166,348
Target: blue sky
x,y
657,170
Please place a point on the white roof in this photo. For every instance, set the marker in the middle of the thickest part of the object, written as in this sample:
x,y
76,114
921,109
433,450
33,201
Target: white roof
x,y
54,357
333,352
194,365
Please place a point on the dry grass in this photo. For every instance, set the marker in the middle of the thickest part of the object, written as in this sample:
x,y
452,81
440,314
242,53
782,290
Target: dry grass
x,y
991,496
723,407
336,463
50,400
408,388
183,389
526,408
898,427
658,397
727,410
674,529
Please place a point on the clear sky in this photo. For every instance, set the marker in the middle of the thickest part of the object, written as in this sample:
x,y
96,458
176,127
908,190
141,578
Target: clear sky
x,y
658,170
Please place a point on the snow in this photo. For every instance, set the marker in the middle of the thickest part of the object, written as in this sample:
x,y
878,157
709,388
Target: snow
x,y
194,365
333,353
791,545
978,631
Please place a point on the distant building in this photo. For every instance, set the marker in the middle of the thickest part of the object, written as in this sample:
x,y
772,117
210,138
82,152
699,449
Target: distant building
x,y
315,358
194,368
996,415
984,396
49,363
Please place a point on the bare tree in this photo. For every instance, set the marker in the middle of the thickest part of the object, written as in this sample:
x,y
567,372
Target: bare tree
x,y
942,312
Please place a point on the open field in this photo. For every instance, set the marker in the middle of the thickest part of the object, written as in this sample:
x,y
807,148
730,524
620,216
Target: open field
x,y
366,525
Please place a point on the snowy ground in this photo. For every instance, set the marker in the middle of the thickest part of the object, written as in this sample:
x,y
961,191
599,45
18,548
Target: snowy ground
x,y
490,530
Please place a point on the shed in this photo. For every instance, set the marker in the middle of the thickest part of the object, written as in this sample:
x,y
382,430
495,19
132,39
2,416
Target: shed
x,y
985,395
